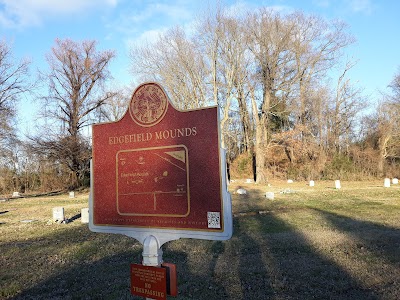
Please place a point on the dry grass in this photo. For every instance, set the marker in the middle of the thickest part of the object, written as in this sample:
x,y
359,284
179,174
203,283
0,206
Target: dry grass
x,y
308,243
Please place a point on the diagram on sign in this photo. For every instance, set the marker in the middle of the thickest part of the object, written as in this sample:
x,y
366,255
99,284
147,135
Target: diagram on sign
x,y
153,181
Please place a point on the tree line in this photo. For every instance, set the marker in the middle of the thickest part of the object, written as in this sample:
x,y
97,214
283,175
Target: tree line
x,y
287,106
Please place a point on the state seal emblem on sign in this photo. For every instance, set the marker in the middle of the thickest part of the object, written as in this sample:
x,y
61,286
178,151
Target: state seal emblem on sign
x,y
148,104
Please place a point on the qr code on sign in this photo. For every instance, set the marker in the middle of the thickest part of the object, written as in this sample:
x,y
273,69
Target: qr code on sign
x,y
214,219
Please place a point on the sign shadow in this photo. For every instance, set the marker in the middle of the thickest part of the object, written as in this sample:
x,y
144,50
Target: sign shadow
x,y
277,262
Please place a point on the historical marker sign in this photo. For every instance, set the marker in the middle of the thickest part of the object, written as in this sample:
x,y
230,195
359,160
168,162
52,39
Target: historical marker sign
x,y
160,170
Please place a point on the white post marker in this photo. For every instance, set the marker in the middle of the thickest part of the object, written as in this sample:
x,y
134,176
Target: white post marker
x,y
85,215
337,184
152,253
386,182
270,195
58,214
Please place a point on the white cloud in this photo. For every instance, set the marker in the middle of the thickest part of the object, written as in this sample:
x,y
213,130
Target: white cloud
x,y
25,13
146,37
135,16
361,6
141,24
177,12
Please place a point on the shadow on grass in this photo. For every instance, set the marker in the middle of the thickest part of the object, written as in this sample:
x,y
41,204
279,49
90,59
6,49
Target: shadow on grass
x,y
281,264
70,263
107,278
255,281
252,201
382,240
77,216
265,259
192,283
89,272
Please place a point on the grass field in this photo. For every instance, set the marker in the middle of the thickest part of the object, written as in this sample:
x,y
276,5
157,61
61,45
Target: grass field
x,y
307,243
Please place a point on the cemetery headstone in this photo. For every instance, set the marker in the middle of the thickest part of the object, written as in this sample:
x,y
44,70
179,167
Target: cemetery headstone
x,y
72,194
15,195
395,181
270,195
386,182
241,191
290,181
312,183
249,180
58,214
85,215
337,184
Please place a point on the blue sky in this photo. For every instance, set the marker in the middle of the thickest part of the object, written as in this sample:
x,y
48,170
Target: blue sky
x,y
31,26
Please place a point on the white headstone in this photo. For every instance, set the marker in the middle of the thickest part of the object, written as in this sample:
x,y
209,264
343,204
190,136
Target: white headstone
x,y
248,180
386,182
85,215
72,194
395,181
15,194
58,214
312,183
241,191
290,181
337,184
270,195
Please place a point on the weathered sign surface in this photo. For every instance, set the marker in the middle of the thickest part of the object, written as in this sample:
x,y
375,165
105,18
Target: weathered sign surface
x,y
159,167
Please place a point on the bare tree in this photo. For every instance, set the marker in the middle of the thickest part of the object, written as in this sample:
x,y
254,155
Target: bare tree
x,y
206,68
395,87
269,37
174,61
386,134
14,82
76,80
116,106
317,45
266,71
388,125
222,38
345,106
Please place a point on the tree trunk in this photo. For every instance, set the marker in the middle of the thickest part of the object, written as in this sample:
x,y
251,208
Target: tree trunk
x,y
382,154
245,119
261,176
261,138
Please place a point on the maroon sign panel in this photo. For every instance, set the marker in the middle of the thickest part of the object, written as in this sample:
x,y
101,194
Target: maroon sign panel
x,y
147,281
158,167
